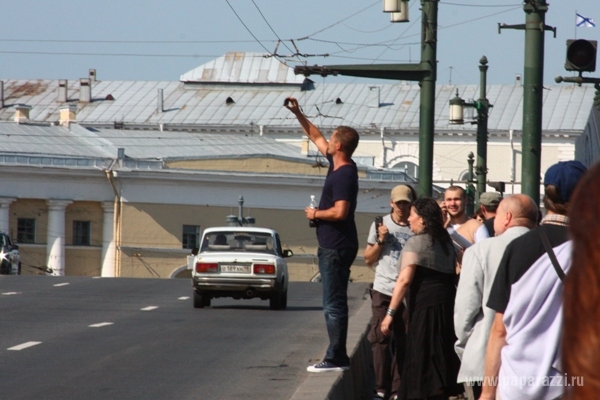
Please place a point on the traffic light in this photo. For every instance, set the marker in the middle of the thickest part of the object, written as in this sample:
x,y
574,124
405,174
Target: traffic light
x,y
581,55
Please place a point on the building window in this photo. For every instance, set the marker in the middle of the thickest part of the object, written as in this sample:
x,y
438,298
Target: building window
x,y
410,168
191,236
26,230
82,232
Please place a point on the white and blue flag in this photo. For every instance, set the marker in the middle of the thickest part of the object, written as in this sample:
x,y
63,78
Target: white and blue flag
x,y
585,21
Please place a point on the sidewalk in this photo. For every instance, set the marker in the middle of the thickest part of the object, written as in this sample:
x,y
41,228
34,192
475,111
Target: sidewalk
x,y
356,384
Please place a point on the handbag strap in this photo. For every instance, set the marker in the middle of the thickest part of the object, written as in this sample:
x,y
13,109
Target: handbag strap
x,y
550,251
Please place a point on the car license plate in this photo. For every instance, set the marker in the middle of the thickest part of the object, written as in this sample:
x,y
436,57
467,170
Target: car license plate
x,y
238,269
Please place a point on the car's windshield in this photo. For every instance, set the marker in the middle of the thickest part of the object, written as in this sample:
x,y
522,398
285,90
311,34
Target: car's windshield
x,y
251,242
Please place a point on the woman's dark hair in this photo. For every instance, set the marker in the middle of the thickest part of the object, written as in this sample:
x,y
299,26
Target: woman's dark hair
x,y
428,209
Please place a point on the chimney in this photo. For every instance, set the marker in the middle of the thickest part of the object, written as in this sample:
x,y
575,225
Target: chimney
x,y
68,114
1,94
375,101
22,113
62,90
92,74
85,90
518,80
160,101
304,148
120,156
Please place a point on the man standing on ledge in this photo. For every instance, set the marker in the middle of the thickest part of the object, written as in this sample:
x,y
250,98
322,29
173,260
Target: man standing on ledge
x,y
336,233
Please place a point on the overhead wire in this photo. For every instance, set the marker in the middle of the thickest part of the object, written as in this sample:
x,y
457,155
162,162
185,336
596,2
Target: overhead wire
x,y
479,5
270,27
340,21
402,36
63,53
245,26
296,52
125,41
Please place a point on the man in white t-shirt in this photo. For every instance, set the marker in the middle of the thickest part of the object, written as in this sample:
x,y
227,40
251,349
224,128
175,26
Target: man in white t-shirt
x,y
523,357
384,245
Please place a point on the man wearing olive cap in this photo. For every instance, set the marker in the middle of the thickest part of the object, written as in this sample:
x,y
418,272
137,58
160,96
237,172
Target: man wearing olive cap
x,y
489,202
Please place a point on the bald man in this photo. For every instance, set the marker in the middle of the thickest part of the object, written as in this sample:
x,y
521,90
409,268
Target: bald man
x,y
516,215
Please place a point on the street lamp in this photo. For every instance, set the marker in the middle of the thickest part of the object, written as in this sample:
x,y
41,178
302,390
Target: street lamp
x,y
398,10
240,220
482,105
456,110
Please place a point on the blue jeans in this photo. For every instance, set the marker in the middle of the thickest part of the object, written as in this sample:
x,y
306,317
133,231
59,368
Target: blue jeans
x,y
334,266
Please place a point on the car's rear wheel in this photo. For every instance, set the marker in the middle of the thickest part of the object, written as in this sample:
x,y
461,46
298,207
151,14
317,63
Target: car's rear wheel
x,y
278,300
201,300
5,267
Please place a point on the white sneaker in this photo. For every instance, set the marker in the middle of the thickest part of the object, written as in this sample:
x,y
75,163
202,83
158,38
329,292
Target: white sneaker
x,y
326,366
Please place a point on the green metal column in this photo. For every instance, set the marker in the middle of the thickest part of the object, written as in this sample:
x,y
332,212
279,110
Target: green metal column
x,y
482,130
427,107
469,189
532,97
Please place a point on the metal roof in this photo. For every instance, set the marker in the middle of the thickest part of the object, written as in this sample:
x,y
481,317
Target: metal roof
x,y
77,141
183,145
368,107
243,68
53,140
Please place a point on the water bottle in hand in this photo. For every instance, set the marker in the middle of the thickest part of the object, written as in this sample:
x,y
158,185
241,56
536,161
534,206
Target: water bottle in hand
x,y
313,205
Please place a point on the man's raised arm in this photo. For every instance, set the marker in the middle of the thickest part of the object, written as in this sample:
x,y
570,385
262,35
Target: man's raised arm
x,y
313,133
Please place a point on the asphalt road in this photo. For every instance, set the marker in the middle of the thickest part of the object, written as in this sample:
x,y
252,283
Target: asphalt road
x,y
85,338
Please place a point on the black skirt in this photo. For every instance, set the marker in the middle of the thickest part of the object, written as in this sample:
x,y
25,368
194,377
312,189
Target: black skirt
x,y
431,364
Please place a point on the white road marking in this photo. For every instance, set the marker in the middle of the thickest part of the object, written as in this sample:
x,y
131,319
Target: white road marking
x,y
23,346
10,293
184,298
62,284
149,308
101,324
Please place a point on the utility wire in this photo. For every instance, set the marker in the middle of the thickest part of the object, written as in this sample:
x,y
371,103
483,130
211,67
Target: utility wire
x,y
248,29
340,21
399,36
126,41
480,5
270,27
440,28
60,53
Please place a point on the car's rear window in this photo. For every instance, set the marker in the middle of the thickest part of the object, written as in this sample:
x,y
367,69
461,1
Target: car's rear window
x,y
251,242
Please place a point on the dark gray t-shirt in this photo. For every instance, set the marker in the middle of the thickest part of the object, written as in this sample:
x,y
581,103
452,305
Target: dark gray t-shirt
x,y
341,184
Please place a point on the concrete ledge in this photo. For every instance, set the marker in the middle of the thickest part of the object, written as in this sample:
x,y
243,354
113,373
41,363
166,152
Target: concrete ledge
x,y
358,382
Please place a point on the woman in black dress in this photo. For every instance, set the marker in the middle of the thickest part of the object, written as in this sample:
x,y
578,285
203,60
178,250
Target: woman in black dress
x,y
427,277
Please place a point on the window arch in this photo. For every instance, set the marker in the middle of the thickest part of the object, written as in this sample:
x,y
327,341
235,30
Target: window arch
x,y
410,168
463,175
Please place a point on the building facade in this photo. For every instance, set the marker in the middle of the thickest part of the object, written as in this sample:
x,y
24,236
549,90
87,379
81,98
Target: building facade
x,y
119,178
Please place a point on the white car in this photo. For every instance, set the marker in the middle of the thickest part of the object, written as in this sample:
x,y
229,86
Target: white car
x,y
10,259
240,262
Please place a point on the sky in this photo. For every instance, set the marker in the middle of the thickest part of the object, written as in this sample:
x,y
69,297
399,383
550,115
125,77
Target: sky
x,y
160,40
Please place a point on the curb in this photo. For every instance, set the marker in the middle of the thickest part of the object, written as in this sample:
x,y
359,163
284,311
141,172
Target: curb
x,y
358,382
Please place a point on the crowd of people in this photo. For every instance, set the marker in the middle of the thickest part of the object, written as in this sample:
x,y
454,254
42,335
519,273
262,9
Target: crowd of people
x,y
466,306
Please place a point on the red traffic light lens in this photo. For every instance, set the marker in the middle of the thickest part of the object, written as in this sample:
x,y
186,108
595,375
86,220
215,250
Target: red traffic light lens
x,y
581,55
